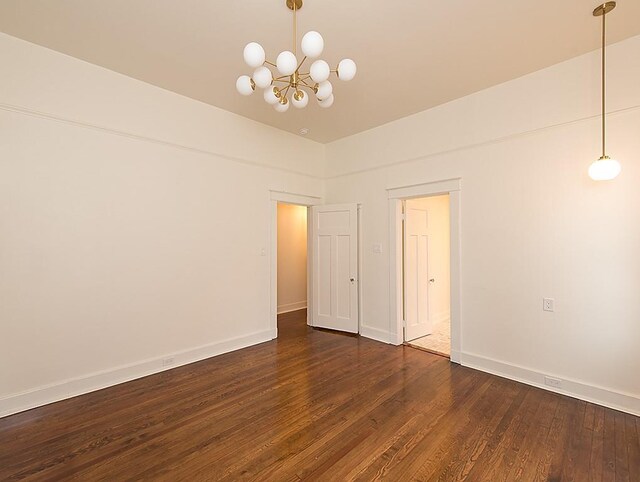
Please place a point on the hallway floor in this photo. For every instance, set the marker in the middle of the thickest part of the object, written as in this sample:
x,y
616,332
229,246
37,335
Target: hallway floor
x,y
438,342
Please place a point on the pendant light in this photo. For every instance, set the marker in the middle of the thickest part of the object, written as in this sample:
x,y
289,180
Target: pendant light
x,y
605,168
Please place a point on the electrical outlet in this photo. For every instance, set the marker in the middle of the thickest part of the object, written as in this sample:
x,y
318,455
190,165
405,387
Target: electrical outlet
x,y
553,382
547,304
166,362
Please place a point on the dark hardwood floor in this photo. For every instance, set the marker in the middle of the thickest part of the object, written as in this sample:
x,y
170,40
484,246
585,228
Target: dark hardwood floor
x,y
316,405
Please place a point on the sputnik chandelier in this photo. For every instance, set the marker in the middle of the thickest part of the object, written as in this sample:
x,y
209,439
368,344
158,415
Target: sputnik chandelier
x,y
293,86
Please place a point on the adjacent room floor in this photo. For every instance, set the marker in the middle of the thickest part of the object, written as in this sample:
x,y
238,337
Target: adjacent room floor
x,y
317,405
439,341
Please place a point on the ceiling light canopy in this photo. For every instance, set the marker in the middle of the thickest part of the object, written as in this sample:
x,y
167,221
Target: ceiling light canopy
x,y
293,86
605,168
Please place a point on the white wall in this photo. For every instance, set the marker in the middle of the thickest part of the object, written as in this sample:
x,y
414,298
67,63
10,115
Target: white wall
x,y
439,254
292,257
131,225
533,224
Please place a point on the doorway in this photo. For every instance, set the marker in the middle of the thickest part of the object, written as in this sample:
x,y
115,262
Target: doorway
x,y
332,268
426,280
452,187
292,294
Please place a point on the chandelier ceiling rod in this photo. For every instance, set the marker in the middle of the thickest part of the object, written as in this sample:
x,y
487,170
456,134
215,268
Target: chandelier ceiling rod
x,y
295,29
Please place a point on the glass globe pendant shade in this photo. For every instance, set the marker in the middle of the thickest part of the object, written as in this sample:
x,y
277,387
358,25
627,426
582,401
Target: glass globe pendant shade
x,y
326,103
312,44
262,77
324,90
300,99
271,95
347,69
254,55
286,63
319,71
604,169
282,105
245,85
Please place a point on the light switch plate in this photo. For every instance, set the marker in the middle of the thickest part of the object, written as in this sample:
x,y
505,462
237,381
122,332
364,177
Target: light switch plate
x,y
377,248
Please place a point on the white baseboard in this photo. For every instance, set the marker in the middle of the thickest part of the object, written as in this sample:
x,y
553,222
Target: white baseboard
x,y
376,334
96,381
624,402
286,308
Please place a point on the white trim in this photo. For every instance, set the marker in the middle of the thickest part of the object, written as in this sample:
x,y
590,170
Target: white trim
x,y
377,334
396,196
395,272
309,268
308,200
625,402
455,271
360,265
425,189
289,307
154,140
73,387
294,198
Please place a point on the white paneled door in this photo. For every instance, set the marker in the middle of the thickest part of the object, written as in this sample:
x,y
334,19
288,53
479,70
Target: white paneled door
x,y
416,273
335,267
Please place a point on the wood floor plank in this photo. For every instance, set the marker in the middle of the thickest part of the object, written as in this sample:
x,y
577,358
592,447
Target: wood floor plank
x,y
488,466
575,465
596,460
633,446
609,447
424,439
532,448
456,457
327,433
622,448
317,405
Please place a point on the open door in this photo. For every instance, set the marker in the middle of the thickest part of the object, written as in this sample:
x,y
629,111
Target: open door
x,y
416,273
335,267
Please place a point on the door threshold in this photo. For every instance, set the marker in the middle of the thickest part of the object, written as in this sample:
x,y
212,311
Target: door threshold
x,y
428,350
336,332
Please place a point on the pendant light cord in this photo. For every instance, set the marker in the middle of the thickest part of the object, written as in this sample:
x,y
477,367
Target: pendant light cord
x,y
604,16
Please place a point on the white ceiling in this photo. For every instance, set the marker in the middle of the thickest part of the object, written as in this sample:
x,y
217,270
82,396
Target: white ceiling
x,y
411,55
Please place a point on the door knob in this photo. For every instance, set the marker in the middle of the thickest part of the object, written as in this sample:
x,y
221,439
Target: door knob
x,y
352,279
432,280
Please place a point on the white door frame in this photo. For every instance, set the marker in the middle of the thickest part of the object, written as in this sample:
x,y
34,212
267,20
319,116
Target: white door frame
x,y
452,187
301,200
